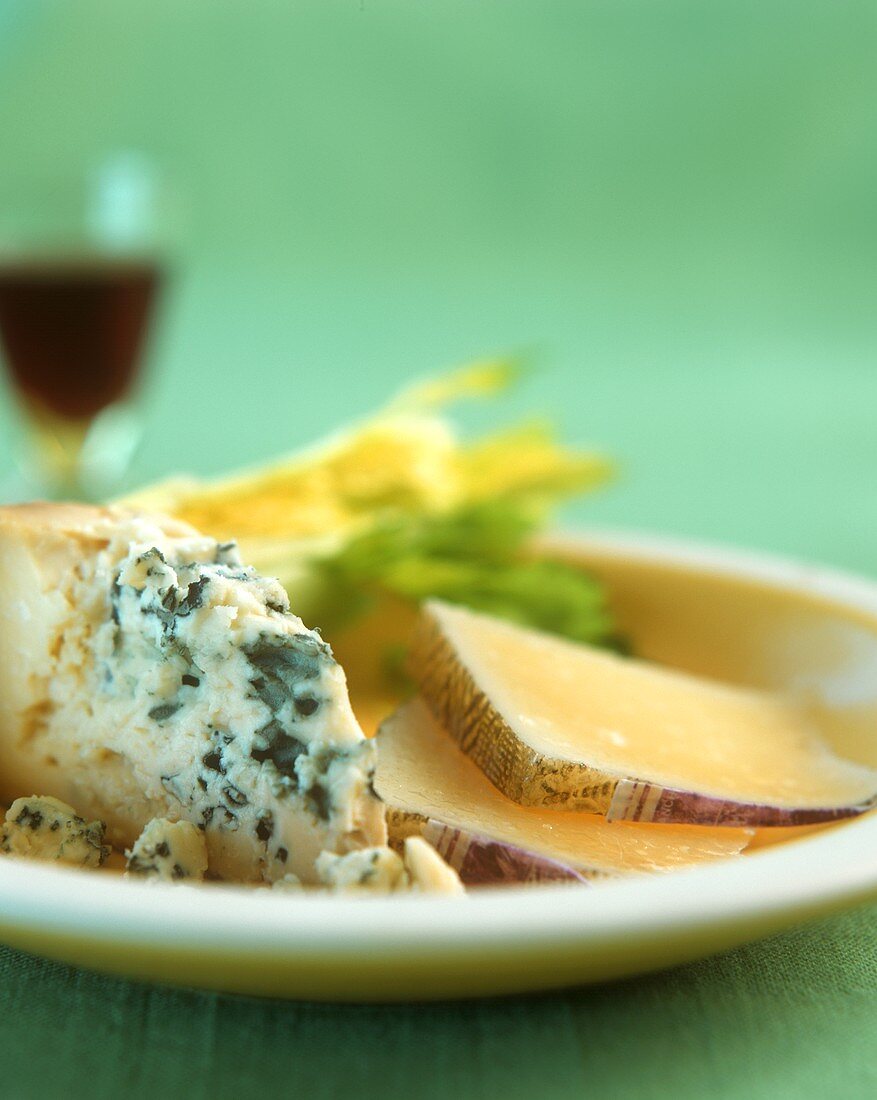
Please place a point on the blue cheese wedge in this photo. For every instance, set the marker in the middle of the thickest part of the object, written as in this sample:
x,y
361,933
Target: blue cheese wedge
x,y
168,851
146,673
45,828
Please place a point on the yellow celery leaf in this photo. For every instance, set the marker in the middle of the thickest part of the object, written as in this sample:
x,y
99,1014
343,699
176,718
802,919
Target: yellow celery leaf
x,y
527,461
482,378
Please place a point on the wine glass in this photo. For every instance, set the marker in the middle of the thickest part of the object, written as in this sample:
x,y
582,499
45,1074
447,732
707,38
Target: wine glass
x,y
79,276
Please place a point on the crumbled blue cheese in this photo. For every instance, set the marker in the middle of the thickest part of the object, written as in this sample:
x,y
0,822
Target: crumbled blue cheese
x,y
169,851
380,870
159,677
46,828
370,870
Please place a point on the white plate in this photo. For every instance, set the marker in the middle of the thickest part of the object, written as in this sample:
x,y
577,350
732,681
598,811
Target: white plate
x,y
730,615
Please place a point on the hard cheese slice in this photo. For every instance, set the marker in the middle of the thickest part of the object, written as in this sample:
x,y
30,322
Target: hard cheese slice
x,y
144,672
562,725
430,787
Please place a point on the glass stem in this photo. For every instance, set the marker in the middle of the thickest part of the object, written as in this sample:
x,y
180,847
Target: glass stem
x,y
53,454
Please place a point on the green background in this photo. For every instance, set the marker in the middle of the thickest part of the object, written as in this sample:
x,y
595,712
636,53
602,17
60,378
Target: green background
x,y
672,206
671,203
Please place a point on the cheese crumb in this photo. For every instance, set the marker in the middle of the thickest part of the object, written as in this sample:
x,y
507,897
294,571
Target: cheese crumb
x,y
46,828
369,870
169,851
382,871
427,871
290,884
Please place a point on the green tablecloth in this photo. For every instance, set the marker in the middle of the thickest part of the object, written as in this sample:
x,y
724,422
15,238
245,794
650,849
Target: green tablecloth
x,y
674,202
792,1017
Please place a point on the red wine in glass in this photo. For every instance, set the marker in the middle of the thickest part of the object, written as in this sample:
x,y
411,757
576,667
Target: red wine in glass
x,y
72,336
73,330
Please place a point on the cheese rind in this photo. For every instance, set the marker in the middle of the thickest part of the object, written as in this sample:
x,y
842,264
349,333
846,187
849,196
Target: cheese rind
x,y
147,673
41,827
482,861
562,725
432,789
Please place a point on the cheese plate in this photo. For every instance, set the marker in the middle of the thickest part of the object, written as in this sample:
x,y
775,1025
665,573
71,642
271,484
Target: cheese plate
x,y
737,618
